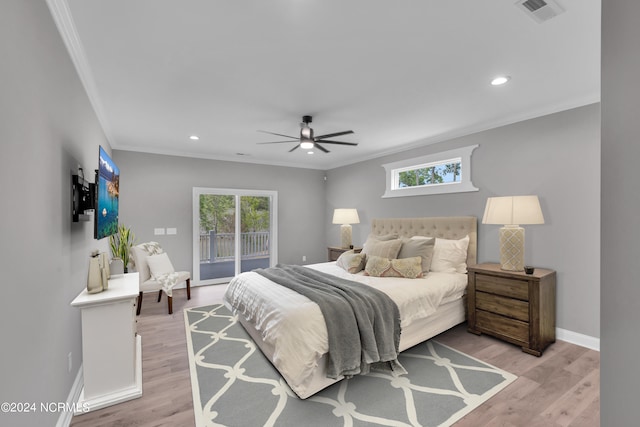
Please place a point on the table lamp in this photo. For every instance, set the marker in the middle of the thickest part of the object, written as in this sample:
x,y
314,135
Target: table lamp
x,y
511,212
346,217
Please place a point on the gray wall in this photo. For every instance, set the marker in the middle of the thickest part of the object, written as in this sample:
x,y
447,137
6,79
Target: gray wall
x,y
156,192
620,211
556,157
47,128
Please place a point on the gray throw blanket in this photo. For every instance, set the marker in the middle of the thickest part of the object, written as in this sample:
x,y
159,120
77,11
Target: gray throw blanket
x,y
363,323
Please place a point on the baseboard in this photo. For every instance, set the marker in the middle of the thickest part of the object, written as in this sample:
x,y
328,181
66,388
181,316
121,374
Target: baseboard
x,y
64,420
579,339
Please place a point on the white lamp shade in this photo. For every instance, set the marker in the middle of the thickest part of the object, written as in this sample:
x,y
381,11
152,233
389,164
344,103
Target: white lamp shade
x,y
512,210
346,216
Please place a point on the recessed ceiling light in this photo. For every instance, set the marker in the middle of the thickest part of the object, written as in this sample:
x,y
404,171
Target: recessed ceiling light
x,y
500,80
194,137
309,152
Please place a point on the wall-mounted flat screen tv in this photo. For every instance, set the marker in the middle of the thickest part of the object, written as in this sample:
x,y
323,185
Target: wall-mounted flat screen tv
x,y
108,194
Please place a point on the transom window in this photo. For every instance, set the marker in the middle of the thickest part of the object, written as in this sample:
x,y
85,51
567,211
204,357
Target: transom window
x,y
445,172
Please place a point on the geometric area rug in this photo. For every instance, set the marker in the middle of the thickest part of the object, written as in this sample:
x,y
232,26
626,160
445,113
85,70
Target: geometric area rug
x,y
234,384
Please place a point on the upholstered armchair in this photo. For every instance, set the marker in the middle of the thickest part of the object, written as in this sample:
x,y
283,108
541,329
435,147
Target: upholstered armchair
x,y
157,273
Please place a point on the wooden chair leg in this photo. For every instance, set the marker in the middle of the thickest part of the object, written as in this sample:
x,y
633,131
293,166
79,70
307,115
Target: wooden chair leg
x,y
139,304
170,302
188,288
159,295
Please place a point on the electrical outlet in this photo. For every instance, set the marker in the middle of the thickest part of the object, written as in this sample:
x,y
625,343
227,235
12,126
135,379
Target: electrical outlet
x,y
158,231
172,231
70,360
304,258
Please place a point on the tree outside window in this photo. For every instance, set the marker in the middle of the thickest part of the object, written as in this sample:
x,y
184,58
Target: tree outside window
x,y
430,175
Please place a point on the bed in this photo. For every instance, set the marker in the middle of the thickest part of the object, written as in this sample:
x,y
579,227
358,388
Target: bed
x,y
290,329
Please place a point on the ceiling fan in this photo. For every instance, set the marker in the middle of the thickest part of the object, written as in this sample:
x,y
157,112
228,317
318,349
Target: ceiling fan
x,y
307,141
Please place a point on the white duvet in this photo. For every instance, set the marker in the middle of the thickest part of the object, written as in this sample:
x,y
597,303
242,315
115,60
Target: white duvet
x,y
294,326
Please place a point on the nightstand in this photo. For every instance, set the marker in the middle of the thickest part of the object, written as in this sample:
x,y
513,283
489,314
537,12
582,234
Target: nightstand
x,y
513,306
335,252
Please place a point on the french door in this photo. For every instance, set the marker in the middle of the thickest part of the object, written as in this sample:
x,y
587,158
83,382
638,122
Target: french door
x,y
233,231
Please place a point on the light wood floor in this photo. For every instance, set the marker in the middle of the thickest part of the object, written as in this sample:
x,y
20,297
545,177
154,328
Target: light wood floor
x,y
561,388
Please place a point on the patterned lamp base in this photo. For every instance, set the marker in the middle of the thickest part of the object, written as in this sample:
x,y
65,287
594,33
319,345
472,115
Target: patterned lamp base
x,y
512,248
345,235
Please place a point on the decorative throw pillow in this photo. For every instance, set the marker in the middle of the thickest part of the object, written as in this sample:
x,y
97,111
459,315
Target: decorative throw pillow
x,y
418,247
410,268
381,238
351,262
450,256
159,265
386,249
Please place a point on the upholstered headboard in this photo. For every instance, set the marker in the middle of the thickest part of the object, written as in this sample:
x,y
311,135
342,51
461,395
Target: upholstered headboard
x,y
454,227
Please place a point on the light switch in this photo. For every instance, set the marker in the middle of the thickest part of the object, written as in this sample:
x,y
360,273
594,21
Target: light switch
x,y
172,231
158,231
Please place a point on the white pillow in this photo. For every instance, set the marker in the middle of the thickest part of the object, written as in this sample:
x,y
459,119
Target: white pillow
x,y
159,264
450,256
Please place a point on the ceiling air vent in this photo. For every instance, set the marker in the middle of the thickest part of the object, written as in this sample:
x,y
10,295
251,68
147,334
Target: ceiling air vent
x,y
540,10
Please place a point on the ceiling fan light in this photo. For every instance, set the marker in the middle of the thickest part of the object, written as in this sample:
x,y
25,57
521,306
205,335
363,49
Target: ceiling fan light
x,y
306,145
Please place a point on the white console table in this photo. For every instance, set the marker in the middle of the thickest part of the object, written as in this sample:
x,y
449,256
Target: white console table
x,y
111,348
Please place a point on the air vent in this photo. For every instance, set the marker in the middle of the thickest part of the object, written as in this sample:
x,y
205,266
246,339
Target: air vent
x,y
540,10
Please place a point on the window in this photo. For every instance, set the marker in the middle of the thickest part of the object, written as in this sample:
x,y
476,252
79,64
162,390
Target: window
x,y
444,172
440,173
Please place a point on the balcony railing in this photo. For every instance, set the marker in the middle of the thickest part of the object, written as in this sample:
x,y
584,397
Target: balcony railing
x,y
221,246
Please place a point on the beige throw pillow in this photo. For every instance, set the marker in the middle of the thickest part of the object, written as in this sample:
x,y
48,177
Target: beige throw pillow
x,y
378,238
410,268
351,262
383,237
418,247
386,249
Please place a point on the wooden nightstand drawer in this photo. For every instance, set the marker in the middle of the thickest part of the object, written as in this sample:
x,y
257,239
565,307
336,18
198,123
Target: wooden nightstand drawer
x,y
510,329
512,308
502,286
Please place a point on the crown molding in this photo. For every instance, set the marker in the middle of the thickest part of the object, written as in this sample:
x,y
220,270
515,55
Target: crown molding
x,y
64,21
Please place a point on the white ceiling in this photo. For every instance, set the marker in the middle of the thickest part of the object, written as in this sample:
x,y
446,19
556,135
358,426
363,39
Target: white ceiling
x,y
398,73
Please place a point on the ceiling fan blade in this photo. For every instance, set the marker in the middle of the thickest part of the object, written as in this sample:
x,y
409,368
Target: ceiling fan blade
x,y
275,142
320,147
279,134
338,142
331,135
294,148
